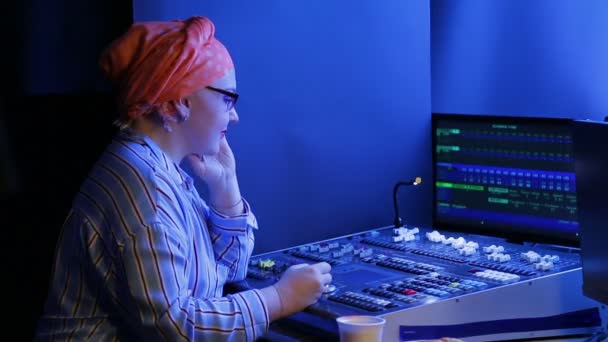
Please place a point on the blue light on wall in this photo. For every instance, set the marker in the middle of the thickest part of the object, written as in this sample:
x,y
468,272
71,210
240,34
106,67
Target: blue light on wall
x,y
335,109
517,57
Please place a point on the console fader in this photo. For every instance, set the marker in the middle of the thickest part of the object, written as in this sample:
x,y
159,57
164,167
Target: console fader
x,y
430,284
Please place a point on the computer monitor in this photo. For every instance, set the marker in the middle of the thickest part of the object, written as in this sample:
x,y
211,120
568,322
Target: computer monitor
x,y
506,176
591,155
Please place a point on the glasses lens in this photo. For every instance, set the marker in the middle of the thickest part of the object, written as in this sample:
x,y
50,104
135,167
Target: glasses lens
x,y
232,103
233,97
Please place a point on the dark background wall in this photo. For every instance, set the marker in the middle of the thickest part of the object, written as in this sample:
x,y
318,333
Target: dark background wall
x,y
55,118
335,104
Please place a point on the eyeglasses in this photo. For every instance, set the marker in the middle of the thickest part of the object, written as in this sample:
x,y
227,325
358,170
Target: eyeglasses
x,y
233,97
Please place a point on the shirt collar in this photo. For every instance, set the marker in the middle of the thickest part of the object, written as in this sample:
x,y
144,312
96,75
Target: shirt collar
x,y
161,159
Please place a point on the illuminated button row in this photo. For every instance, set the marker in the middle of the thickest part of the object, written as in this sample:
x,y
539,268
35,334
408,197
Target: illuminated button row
x,y
503,268
439,256
434,288
475,283
449,281
369,299
465,284
413,289
363,252
380,292
407,266
437,290
315,257
362,301
342,250
423,266
386,244
401,267
500,277
447,285
412,295
334,248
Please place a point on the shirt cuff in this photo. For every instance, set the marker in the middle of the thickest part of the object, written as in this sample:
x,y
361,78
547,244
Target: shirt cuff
x,y
255,312
234,224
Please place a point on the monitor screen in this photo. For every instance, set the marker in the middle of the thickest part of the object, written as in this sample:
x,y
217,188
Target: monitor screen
x,y
592,184
507,176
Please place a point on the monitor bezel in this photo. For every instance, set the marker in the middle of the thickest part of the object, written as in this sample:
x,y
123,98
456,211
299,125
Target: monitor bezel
x,y
516,234
591,166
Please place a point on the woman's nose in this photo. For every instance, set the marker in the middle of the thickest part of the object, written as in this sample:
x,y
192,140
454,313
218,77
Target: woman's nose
x,y
234,116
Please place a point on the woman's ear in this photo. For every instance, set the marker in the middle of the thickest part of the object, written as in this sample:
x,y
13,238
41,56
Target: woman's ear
x,y
183,107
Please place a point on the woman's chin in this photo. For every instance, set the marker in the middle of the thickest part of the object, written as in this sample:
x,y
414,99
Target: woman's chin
x,y
211,151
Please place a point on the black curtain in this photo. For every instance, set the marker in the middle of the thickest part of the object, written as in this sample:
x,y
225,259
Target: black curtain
x,y
56,114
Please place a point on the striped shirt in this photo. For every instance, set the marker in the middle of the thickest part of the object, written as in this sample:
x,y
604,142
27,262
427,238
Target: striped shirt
x,y
142,257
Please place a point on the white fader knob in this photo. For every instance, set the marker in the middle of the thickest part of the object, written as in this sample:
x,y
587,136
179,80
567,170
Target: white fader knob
x,y
435,236
544,266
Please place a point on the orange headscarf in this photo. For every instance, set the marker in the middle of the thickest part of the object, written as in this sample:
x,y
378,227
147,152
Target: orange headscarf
x,y
155,62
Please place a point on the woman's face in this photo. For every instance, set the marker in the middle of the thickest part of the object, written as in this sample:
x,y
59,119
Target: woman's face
x,y
210,114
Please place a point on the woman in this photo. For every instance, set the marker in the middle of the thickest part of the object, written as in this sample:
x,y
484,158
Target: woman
x,y
141,255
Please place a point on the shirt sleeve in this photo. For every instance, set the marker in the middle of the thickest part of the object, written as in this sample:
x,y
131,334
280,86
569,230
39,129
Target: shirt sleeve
x,y
233,239
154,263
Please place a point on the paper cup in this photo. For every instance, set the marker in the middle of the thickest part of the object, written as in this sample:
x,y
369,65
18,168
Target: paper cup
x,y
359,328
